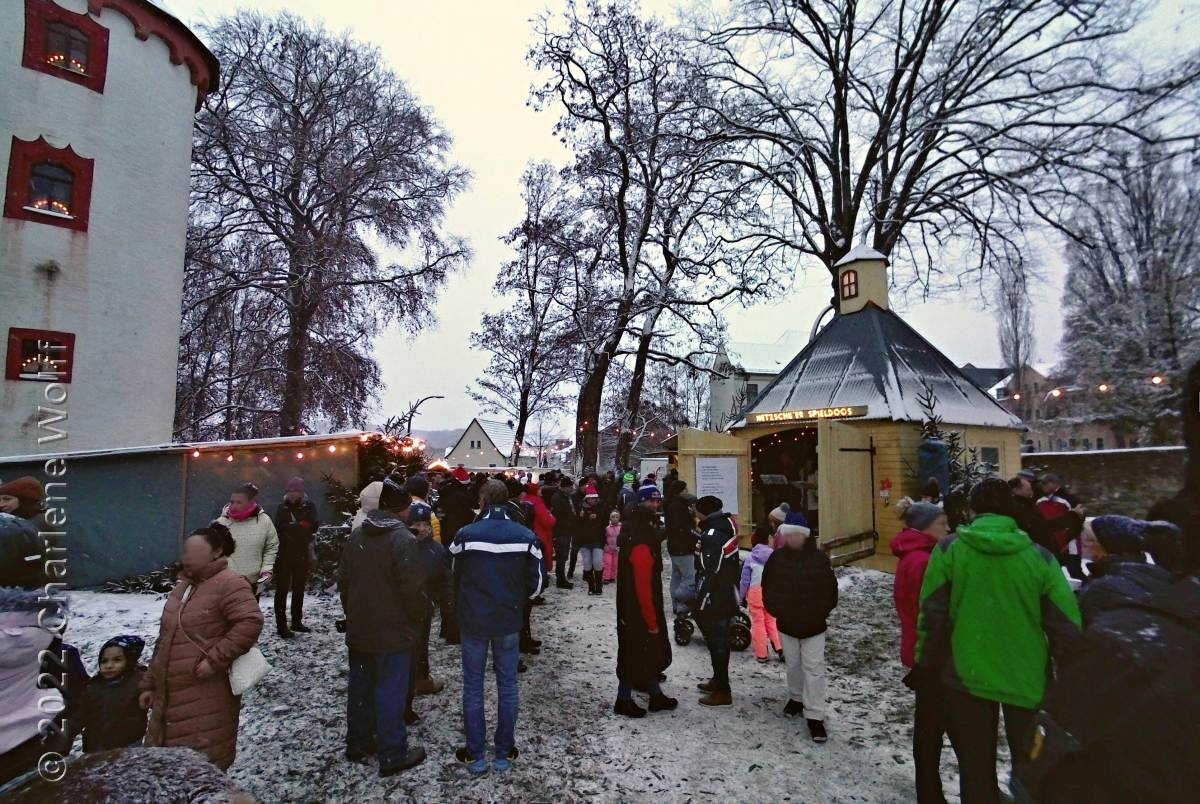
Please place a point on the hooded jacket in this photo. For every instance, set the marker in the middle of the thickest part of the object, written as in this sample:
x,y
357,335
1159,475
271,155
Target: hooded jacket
x,y
800,589
497,567
752,570
381,580
913,548
718,567
21,641
257,543
110,713
994,606
543,524
643,646
1119,579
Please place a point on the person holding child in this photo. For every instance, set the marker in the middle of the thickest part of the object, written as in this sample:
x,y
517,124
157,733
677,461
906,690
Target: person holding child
x,y
109,710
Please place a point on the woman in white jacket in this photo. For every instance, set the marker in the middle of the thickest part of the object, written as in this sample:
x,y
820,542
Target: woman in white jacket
x,y
254,534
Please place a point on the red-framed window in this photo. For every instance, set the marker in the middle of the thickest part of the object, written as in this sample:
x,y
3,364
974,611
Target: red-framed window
x,y
48,185
850,284
65,45
39,355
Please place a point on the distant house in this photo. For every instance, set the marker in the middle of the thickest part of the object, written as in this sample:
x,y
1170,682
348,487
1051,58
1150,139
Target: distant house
x,y
487,443
743,369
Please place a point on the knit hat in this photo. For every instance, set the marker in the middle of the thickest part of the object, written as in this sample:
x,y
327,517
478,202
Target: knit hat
x,y
628,479
131,646
393,497
785,530
296,484
921,515
1119,534
649,493
23,488
780,513
709,505
796,518
419,512
461,474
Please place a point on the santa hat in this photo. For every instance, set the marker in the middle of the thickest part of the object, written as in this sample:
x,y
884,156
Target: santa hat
x,y
461,474
791,530
590,492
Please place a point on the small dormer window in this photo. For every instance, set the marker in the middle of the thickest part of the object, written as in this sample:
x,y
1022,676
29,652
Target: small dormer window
x,y
67,47
51,188
850,284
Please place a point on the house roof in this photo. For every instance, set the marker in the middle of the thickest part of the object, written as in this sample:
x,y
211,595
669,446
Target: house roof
x,y
860,252
873,358
765,358
985,378
500,434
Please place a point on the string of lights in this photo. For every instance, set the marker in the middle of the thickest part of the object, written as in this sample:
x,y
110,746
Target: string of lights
x,y
1156,380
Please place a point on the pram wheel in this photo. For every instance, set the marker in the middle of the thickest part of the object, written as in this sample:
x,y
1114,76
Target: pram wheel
x,y
739,631
684,630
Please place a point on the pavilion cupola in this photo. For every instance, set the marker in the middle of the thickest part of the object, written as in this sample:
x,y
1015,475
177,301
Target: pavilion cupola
x,y
861,278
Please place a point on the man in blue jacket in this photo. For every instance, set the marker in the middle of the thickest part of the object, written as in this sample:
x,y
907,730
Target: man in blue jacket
x,y
497,567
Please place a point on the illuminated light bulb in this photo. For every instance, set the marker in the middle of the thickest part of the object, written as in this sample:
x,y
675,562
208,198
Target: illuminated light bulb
x,y
1157,380
1016,396
266,459
299,456
229,459
1103,387
1056,393
195,453
332,448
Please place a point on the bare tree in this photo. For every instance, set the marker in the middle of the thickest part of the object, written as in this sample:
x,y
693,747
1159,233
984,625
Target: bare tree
x,y
317,154
925,124
1014,316
1132,298
530,342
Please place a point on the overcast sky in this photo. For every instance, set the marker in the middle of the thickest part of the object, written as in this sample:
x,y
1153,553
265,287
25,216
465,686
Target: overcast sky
x,y
466,61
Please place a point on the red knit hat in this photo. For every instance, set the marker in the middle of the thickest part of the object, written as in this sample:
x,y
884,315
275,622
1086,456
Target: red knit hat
x,y
23,488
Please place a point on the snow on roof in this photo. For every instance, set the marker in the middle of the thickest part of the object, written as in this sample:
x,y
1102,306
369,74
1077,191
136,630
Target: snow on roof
x,y
985,378
766,358
860,252
501,434
873,358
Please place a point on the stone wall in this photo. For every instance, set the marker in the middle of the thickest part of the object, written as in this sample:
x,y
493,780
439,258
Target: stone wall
x,y
1124,481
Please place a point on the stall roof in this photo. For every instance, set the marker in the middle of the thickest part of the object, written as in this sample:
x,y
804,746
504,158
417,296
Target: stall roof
x,y
872,357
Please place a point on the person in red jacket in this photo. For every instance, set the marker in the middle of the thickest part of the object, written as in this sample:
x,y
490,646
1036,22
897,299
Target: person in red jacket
x,y
543,523
925,525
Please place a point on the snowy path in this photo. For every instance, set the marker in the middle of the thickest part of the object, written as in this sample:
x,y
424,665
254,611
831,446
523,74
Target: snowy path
x,y
572,747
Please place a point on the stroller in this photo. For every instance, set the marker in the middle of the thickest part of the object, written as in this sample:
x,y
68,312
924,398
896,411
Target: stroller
x,y
684,628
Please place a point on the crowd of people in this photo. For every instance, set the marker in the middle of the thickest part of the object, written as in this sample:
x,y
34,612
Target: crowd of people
x,y
1008,600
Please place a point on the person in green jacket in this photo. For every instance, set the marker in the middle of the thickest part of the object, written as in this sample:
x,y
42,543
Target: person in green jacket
x,y
994,608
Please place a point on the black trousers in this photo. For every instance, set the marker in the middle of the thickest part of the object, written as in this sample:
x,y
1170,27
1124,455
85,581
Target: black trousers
x,y
574,559
929,728
291,575
972,723
562,554
419,667
716,637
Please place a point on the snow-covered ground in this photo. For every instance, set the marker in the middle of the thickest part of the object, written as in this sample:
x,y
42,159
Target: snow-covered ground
x,y
572,746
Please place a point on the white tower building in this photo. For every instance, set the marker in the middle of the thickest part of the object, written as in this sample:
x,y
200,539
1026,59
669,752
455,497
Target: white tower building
x,y
97,100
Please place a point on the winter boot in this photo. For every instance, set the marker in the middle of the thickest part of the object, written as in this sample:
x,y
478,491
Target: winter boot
x,y
426,685
816,728
300,628
285,632
793,708
629,708
414,758
527,646
707,686
717,698
661,703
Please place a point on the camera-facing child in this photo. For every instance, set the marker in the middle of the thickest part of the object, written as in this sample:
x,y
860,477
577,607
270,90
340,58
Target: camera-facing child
x,y
109,710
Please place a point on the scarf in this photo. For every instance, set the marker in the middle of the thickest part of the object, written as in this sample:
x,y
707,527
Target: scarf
x,y
244,513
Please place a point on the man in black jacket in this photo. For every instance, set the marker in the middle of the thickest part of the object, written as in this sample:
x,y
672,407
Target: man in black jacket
x,y
1029,518
296,521
564,529
799,591
718,571
381,583
681,540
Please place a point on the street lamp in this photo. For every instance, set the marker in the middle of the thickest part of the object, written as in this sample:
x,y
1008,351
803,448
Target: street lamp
x,y
1157,380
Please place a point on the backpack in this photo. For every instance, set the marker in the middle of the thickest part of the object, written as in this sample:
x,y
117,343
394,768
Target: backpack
x,y
1122,723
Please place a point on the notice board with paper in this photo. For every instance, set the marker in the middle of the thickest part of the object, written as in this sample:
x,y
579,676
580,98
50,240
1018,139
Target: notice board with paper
x,y
718,477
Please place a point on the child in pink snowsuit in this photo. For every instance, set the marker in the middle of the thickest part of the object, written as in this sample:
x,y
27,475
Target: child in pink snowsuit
x,y
762,625
611,533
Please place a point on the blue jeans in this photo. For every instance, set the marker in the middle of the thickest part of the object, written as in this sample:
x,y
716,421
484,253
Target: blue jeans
x,y
375,705
625,692
505,655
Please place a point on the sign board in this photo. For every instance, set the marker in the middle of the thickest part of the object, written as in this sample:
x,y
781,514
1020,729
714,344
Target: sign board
x,y
808,415
718,477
